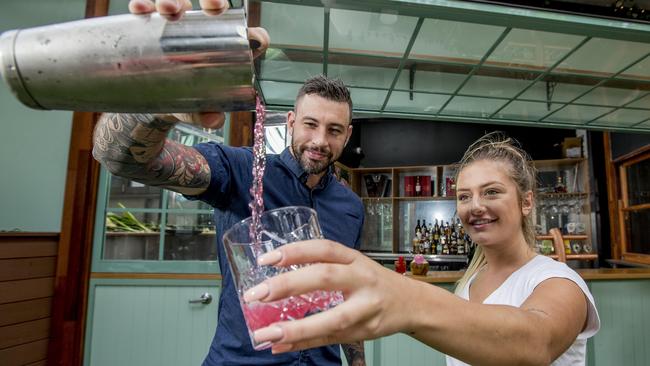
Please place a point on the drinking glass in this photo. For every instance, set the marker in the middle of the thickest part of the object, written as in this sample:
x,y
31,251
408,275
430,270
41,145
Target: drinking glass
x,y
278,227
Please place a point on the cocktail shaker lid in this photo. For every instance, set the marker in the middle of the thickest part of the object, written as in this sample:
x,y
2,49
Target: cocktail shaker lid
x,y
10,70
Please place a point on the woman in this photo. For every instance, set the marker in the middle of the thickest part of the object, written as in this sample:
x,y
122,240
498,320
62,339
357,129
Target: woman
x,y
512,306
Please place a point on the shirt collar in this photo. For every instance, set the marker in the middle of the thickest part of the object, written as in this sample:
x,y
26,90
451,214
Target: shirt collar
x,y
290,162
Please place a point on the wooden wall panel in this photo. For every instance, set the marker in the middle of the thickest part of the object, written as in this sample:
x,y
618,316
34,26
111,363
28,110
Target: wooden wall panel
x,y
27,247
12,291
18,269
17,334
18,312
24,354
27,267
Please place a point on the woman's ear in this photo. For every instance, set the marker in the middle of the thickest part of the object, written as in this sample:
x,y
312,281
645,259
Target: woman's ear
x,y
527,203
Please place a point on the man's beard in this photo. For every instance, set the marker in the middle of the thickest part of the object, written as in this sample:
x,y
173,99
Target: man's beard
x,y
308,165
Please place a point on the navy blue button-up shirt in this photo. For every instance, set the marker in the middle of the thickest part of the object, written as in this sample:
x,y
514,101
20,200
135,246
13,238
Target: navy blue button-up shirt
x,y
340,214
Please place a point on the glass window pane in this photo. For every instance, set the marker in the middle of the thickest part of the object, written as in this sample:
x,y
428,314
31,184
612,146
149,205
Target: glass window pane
x,y
644,124
128,193
421,103
190,135
177,201
557,91
190,237
529,111
502,87
609,96
377,33
640,71
533,49
590,58
638,183
638,235
282,21
375,77
475,107
412,211
276,138
377,233
367,98
457,42
279,93
622,117
131,236
432,81
641,103
577,114
277,66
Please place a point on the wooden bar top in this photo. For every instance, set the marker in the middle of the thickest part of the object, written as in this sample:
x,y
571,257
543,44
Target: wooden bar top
x,y
597,274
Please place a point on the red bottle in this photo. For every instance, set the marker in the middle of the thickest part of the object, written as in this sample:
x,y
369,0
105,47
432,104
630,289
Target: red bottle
x,y
400,265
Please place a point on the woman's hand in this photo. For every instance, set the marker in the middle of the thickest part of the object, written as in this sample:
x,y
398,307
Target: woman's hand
x,y
372,306
174,10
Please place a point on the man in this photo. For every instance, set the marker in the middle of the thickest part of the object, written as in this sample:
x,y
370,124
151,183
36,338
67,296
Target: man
x,y
135,146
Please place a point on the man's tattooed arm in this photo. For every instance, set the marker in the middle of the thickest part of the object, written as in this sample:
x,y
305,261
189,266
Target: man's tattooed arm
x,y
135,146
354,353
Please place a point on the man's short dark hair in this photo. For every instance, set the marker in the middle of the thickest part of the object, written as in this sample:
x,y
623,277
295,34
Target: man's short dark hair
x,y
328,88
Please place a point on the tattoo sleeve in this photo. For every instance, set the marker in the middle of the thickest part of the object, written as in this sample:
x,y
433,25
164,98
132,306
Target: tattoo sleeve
x,y
354,353
135,146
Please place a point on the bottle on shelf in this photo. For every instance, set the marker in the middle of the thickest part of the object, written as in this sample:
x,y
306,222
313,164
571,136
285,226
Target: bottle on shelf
x,y
560,187
462,243
417,238
418,186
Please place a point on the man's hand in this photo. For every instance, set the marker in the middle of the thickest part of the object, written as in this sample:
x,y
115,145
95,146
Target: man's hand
x,y
174,10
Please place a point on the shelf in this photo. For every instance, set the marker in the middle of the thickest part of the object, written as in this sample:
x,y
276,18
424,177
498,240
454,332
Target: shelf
x,y
132,233
554,163
408,256
563,195
376,198
155,233
578,257
433,198
567,237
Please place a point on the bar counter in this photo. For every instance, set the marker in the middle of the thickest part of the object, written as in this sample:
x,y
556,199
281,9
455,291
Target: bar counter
x,y
595,274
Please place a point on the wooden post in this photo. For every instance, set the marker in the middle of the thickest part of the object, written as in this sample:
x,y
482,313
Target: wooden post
x,y
612,198
76,238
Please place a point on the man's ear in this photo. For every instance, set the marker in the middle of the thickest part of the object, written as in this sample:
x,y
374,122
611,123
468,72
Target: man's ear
x,y
527,203
291,120
349,134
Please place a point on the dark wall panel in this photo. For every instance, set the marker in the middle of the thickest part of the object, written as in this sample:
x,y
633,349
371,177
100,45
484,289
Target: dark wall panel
x,y
625,143
391,142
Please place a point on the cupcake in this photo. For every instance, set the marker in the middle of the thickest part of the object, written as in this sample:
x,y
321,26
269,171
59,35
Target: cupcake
x,y
419,265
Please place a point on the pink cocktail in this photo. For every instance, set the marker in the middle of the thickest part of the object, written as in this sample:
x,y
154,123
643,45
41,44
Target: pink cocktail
x,y
276,228
259,315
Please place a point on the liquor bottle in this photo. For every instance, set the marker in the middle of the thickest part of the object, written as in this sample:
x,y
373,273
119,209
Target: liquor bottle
x,y
423,228
559,186
432,240
453,243
445,245
426,246
462,244
417,239
418,187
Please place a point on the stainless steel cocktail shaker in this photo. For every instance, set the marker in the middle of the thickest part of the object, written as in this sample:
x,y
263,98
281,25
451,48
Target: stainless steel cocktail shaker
x,y
133,63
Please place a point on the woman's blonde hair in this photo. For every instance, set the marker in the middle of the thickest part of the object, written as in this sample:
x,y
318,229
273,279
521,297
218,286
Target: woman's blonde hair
x,y
496,146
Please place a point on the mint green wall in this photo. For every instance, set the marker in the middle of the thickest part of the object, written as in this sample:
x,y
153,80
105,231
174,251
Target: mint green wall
x,y
624,336
33,144
130,321
149,322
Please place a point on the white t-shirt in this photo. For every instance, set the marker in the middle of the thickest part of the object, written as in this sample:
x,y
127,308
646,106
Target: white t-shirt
x,y
520,285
